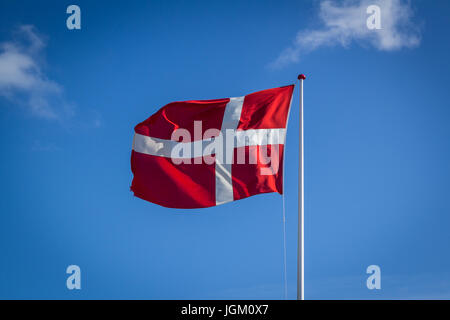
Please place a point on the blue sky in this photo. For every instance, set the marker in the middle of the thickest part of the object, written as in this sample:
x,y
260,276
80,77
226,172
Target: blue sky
x,y
376,149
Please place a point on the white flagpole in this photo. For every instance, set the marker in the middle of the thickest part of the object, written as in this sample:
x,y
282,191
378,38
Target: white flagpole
x,y
301,207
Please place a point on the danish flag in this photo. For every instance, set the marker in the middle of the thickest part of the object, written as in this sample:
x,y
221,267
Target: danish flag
x,y
203,153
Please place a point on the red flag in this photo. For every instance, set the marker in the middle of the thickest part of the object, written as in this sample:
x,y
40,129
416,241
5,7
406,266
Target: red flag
x,y
202,153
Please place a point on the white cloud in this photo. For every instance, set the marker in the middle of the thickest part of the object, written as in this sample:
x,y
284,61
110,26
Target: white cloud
x,y
22,79
345,21
43,146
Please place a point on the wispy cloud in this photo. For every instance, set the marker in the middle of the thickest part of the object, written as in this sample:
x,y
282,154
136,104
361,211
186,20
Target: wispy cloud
x,y
40,146
345,21
22,79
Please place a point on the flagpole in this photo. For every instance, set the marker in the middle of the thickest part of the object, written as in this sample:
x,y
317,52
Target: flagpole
x,y
301,207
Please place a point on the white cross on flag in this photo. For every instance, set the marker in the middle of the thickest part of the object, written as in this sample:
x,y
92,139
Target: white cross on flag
x,y
202,153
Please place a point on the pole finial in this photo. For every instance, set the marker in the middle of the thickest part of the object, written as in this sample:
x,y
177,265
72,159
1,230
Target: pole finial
x,y
301,77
